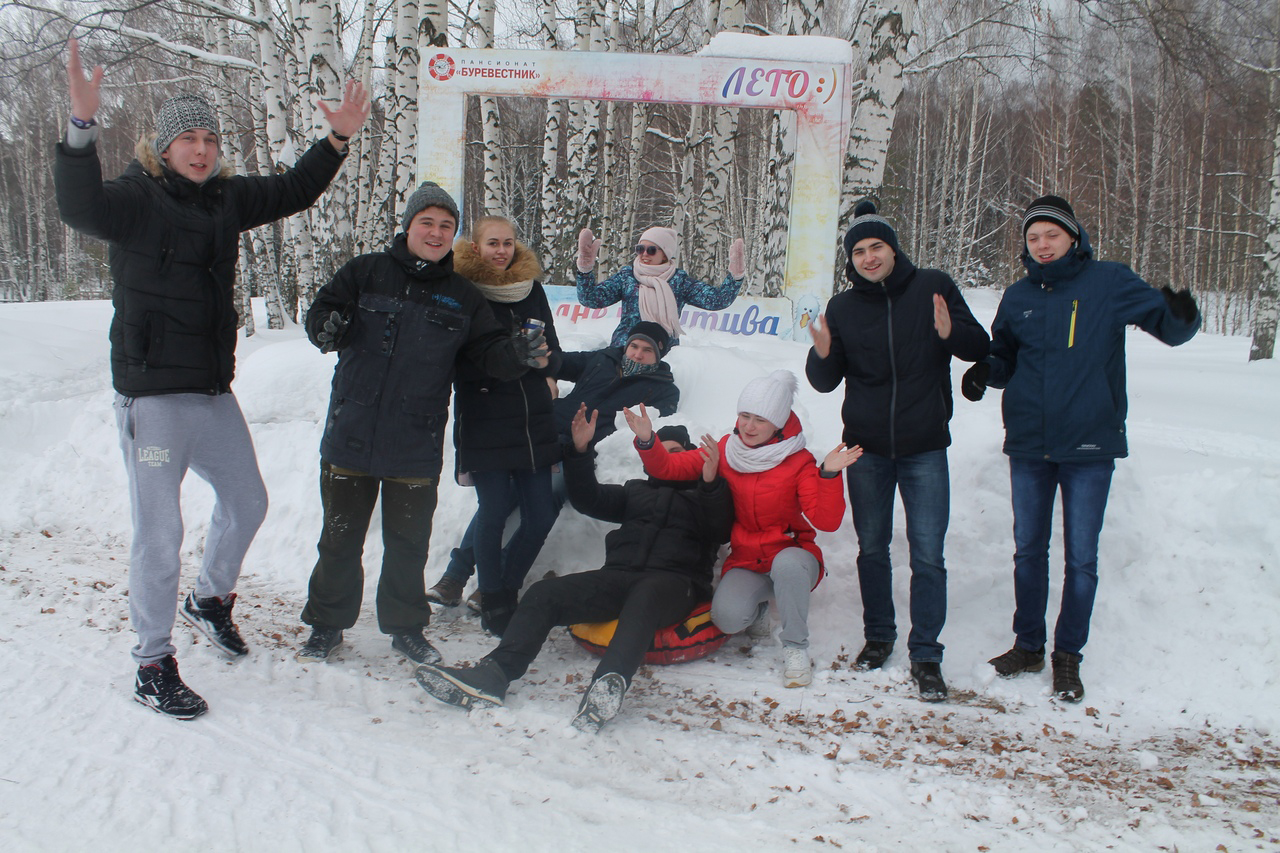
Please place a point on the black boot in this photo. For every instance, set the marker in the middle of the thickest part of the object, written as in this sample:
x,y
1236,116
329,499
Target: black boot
x,y
873,654
464,686
496,610
1066,676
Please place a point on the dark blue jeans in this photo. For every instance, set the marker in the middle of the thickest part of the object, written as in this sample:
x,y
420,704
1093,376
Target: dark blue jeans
x,y
462,560
500,568
925,485
1085,486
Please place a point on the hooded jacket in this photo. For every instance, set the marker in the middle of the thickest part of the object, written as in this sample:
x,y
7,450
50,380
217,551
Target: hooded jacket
x,y
173,246
895,368
664,527
623,287
506,425
1057,348
598,383
410,321
774,509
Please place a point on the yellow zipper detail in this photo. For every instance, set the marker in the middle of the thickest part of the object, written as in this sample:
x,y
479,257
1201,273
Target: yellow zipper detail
x,y
1071,336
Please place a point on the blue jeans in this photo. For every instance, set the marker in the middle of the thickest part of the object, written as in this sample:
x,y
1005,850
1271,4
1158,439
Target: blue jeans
x,y
504,568
1034,483
924,483
462,560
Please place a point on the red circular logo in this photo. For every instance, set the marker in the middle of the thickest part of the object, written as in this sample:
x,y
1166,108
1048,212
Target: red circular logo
x,y
440,66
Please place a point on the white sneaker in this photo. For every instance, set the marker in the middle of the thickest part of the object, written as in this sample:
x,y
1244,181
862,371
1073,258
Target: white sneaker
x,y
761,628
797,671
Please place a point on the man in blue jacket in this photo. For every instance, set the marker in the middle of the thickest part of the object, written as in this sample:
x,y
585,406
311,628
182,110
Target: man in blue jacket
x,y
1058,351
890,338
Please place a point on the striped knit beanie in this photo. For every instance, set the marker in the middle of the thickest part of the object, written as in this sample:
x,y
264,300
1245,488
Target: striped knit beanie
x,y
1051,208
180,114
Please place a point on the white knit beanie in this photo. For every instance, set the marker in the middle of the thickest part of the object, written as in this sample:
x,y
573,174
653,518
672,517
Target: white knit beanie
x,y
770,397
665,239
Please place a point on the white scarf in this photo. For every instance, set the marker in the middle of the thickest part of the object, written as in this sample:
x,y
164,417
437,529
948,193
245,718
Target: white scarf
x,y
753,460
504,292
657,301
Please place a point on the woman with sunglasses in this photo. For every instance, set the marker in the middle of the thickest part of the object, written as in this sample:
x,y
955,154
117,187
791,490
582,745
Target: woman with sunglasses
x,y
654,288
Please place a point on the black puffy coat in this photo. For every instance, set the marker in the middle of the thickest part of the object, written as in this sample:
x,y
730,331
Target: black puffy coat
x,y
895,368
410,321
497,425
598,383
173,247
666,527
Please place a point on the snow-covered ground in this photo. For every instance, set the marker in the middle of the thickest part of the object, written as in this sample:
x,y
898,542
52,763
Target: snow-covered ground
x,y
1175,745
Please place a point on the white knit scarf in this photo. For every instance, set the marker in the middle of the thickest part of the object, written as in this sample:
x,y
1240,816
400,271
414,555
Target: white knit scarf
x,y
753,460
657,301
504,292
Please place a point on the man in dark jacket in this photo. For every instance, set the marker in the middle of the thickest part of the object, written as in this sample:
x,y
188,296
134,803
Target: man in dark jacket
x,y
399,319
890,337
172,222
1058,351
657,568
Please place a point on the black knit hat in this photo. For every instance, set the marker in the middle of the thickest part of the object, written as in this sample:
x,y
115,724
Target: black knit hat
x,y
649,331
428,194
868,223
1051,208
676,433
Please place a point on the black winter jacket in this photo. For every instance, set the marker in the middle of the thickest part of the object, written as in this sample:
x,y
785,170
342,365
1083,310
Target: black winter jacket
x,y
410,320
598,384
504,426
896,370
675,528
173,247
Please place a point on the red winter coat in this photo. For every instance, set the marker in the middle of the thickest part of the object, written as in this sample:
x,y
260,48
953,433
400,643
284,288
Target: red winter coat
x,y
773,509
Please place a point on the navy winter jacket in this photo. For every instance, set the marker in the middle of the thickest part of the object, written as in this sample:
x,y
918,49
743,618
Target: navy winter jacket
x,y
895,368
1058,351
598,383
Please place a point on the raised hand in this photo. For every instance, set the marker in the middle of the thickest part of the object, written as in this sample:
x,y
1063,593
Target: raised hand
x,y
1181,303
583,428
841,457
347,119
640,424
821,335
86,95
588,249
737,259
710,451
941,316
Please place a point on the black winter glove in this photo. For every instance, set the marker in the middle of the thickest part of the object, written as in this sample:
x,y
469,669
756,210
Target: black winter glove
x,y
333,331
1181,303
529,349
974,382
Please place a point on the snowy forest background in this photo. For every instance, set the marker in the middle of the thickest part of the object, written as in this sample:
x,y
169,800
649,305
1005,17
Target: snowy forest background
x,y
1158,119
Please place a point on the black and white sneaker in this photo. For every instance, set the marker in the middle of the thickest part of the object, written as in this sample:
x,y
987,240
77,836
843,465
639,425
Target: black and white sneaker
x,y
485,683
160,688
321,644
600,703
212,617
415,647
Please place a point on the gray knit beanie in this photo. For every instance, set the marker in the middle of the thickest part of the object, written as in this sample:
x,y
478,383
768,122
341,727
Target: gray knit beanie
x,y
428,194
180,114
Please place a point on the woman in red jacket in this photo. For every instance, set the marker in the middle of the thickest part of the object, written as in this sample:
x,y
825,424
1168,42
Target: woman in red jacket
x,y
780,495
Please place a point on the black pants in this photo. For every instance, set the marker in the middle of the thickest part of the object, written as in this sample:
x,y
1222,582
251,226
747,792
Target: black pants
x,y
642,602
337,583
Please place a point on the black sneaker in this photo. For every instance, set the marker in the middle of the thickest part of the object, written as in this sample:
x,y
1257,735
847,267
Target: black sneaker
x,y
447,592
928,678
873,655
415,647
1017,660
212,617
321,644
160,688
600,703
1066,677
484,683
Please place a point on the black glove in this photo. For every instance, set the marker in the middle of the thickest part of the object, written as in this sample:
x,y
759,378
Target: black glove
x,y
1181,303
333,331
974,382
529,350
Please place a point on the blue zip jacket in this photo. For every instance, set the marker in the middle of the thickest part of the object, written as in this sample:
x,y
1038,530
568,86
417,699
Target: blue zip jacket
x,y
1057,348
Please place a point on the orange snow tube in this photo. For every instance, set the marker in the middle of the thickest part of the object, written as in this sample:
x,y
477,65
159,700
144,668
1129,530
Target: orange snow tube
x,y
694,637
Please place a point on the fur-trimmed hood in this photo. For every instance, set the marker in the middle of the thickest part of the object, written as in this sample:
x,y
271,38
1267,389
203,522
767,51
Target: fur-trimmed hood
x,y
467,263
145,152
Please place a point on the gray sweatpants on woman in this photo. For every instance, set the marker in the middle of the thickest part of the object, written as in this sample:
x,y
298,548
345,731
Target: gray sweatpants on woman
x,y
741,593
162,437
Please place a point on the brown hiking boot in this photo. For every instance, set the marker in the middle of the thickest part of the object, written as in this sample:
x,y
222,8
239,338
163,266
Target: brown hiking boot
x,y
447,592
1017,661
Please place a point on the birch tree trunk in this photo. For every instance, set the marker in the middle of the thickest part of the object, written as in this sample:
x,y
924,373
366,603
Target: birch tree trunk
x,y
1264,323
492,192
403,110
717,179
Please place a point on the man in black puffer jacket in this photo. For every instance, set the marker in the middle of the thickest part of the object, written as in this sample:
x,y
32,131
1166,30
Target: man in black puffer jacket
x,y
172,223
657,568
890,338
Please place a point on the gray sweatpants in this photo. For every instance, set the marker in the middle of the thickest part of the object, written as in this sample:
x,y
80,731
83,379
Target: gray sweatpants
x,y
162,437
741,592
